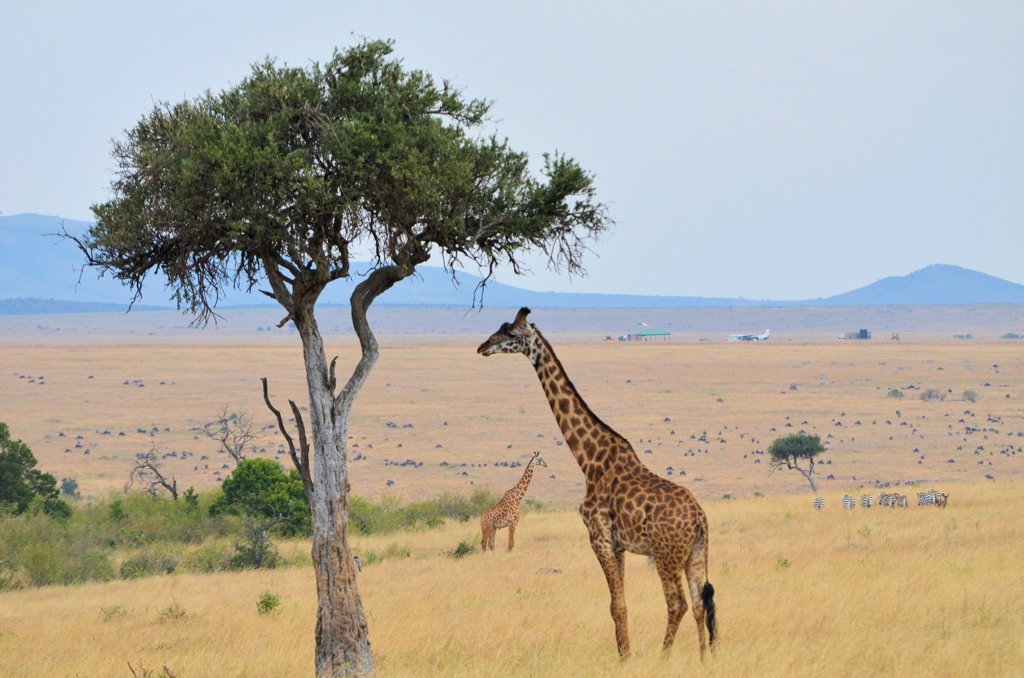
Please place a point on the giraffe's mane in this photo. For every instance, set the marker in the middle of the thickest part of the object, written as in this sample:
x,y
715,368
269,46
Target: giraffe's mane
x,y
596,419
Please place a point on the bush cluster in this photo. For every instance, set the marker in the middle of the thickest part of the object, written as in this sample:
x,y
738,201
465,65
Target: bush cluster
x,y
125,536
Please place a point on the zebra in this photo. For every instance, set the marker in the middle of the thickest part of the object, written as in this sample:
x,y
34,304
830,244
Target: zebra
x,y
886,499
819,503
867,501
849,502
901,501
927,498
941,499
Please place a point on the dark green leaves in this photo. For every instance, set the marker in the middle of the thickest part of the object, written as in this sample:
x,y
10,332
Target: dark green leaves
x,y
288,171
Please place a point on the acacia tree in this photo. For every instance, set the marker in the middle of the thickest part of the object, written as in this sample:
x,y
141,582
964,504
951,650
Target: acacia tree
x,y
280,181
788,451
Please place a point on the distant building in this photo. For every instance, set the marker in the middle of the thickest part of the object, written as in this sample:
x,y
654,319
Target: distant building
x,y
647,334
860,334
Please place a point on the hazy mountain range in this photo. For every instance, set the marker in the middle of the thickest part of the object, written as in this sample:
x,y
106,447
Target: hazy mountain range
x,y
41,273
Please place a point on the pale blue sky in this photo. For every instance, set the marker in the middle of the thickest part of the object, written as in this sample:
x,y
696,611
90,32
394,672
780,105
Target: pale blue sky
x,y
764,150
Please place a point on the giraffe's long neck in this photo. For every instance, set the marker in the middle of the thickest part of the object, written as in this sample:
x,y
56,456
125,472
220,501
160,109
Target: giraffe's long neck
x,y
595,445
524,482
516,494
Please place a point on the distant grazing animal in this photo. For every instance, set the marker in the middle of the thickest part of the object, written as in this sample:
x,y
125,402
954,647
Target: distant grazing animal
x,y
932,498
506,512
887,499
627,507
867,501
849,502
900,501
819,503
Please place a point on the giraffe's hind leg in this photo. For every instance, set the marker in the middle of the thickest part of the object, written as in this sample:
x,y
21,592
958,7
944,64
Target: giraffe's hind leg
x,y
672,583
486,532
697,578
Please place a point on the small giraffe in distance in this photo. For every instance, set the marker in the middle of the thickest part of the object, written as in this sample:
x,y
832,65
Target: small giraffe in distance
x,y
506,512
627,507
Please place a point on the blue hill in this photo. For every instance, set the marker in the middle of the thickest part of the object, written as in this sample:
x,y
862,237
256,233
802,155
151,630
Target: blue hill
x,y
42,273
935,284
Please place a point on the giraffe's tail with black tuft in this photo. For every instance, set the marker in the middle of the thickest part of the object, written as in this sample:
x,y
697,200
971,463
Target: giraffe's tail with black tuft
x,y
707,596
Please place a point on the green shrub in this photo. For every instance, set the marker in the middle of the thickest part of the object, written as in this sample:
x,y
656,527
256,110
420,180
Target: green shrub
x,y
1012,335
970,396
155,560
268,602
392,550
895,393
933,394
213,555
466,547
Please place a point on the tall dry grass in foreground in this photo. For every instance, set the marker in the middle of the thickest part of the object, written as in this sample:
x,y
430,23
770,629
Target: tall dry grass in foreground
x,y
799,592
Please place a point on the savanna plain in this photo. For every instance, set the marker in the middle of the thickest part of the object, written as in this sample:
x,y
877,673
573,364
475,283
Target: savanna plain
x,y
914,591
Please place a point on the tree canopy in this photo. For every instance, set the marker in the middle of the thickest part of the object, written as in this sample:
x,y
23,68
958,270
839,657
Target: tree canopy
x,y
22,486
260,487
788,451
290,172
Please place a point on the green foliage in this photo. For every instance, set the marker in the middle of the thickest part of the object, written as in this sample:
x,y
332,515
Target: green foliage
x,y
268,603
895,393
390,515
296,166
466,547
933,394
138,535
22,486
392,550
1012,335
795,446
261,488
191,500
782,564
256,549
160,558
69,489
970,395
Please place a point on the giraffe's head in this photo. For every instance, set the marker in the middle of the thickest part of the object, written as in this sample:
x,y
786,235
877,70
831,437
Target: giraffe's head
x,y
538,460
514,337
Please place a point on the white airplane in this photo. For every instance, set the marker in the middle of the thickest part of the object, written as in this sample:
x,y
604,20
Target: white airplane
x,y
749,337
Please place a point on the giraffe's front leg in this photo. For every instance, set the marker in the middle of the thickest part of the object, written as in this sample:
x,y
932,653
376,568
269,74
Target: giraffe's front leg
x,y
512,533
614,571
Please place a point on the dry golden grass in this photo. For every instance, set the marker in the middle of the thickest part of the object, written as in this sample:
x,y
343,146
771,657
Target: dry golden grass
x,y
476,408
922,591
914,592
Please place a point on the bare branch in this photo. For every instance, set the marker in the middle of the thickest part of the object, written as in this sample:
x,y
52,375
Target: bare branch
x,y
147,472
301,465
235,431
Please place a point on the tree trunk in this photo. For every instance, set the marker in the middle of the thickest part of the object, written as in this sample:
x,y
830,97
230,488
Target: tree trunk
x,y
342,638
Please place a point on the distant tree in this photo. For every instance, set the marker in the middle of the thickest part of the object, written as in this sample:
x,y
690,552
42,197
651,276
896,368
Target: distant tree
x,y
23,486
790,451
69,489
235,432
279,181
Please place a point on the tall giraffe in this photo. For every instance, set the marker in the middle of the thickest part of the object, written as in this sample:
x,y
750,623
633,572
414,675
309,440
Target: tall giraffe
x,y
627,507
506,512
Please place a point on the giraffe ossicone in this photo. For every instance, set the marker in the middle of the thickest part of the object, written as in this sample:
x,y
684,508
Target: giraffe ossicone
x,y
627,506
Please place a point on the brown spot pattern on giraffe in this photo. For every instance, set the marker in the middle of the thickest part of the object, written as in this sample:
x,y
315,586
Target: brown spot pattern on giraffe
x,y
627,506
